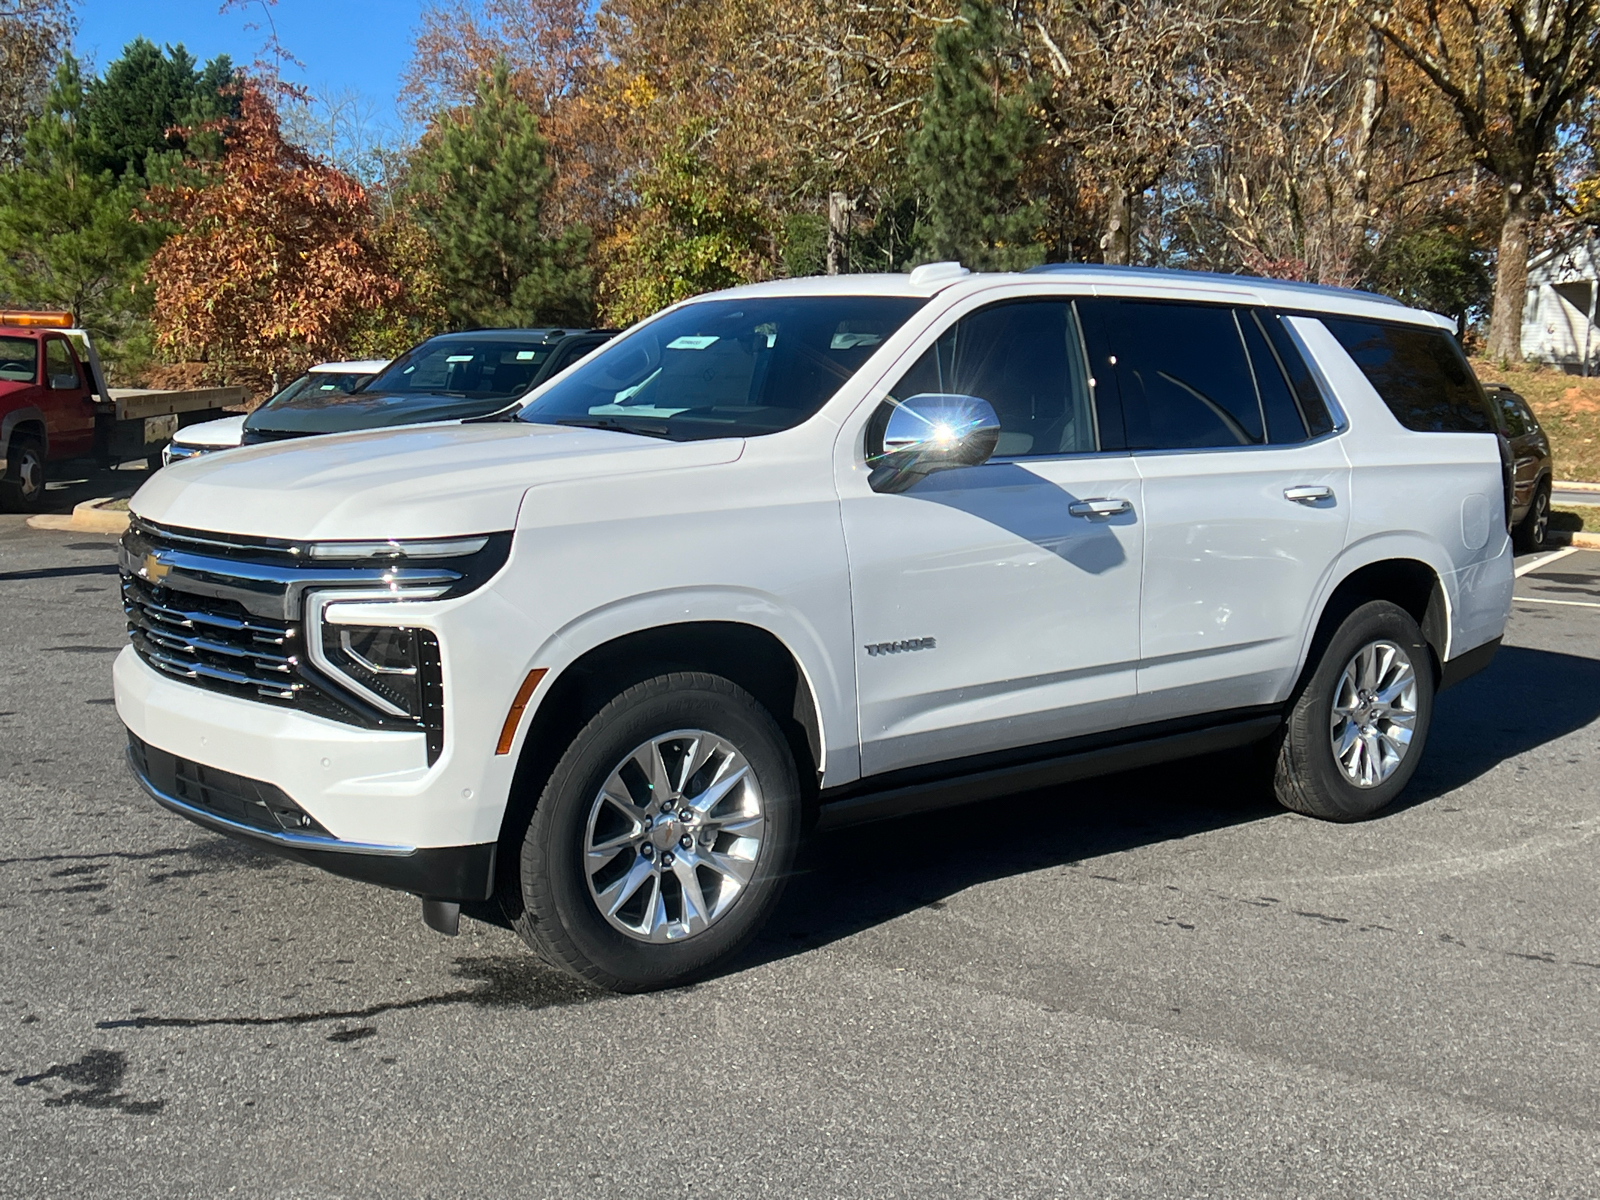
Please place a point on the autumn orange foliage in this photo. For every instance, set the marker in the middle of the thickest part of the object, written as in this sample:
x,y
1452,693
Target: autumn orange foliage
x,y
273,265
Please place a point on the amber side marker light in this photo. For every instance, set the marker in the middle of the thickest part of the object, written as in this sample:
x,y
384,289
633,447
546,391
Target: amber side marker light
x,y
508,731
19,319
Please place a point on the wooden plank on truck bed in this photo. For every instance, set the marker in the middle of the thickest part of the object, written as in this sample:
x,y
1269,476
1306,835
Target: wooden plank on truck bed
x,y
133,403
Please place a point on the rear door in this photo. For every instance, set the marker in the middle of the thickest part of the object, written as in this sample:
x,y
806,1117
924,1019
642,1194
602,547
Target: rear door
x,y
1246,499
993,608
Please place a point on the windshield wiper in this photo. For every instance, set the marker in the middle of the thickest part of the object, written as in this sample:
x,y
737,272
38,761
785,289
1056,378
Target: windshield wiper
x,y
607,423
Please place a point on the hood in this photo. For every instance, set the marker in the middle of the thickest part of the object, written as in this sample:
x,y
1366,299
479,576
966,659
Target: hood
x,y
422,482
340,412
213,435
10,386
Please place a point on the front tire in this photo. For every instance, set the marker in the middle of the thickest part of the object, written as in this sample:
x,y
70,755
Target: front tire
x,y
663,837
22,486
1358,727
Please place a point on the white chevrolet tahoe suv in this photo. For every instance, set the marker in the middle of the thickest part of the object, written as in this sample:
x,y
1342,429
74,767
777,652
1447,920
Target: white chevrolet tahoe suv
x,y
816,552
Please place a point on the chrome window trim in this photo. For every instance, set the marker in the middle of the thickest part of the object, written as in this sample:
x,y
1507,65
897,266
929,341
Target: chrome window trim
x,y
1025,459
1254,449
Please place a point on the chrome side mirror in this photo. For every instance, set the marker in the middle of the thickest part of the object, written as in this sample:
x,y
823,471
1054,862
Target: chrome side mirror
x,y
933,431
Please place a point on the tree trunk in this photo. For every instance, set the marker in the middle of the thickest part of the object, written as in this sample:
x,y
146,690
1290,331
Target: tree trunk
x,y
1372,103
1116,241
1511,275
838,230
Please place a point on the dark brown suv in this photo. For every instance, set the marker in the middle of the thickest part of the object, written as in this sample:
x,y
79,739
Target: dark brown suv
x,y
1535,468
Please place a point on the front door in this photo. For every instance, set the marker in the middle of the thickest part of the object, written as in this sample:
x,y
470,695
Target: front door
x,y
1246,500
69,413
993,607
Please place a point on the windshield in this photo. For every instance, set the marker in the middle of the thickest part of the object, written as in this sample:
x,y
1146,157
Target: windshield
x,y
725,368
18,359
319,384
480,368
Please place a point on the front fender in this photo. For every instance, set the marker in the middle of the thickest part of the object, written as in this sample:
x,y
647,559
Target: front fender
x,y
831,694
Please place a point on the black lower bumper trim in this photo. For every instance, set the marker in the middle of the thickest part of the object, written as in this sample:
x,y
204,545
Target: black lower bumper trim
x,y
452,873
1464,666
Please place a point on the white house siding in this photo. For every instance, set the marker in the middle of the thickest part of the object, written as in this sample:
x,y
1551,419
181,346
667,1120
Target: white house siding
x,y
1555,317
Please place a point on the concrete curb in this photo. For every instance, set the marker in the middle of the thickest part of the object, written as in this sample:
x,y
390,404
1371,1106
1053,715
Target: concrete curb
x,y
1571,486
1583,541
88,517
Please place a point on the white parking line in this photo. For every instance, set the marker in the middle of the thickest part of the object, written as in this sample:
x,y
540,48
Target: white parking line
x,y
1542,600
1546,560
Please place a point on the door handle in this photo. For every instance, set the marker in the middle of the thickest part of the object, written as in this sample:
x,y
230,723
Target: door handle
x,y
1099,508
1308,493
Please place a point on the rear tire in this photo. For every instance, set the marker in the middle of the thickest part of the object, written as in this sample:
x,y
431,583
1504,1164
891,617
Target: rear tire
x,y
632,861
1358,727
22,486
1529,534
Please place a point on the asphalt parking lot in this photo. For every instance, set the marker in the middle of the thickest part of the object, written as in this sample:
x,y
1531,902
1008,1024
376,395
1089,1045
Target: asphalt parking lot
x,y
1153,984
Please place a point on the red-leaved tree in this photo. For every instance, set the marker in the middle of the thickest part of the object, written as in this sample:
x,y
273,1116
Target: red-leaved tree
x,y
273,264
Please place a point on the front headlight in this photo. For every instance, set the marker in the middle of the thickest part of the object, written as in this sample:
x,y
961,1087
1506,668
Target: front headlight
x,y
174,451
382,661
393,668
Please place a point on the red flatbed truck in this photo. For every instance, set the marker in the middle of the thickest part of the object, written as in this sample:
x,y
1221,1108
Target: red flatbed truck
x,y
55,406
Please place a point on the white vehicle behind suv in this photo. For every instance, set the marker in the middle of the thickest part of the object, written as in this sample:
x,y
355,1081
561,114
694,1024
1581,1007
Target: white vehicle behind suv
x,y
811,553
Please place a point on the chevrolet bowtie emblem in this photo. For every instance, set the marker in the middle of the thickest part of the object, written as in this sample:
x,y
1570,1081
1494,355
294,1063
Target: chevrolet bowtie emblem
x,y
154,569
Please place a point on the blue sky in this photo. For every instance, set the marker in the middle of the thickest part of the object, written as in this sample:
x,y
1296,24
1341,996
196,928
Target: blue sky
x,y
361,44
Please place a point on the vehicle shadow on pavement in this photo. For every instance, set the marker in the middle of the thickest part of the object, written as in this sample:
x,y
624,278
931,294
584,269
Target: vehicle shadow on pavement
x,y
1525,699
854,879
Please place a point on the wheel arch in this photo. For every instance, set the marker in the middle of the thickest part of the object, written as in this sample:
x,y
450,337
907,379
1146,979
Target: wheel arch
x,y
1409,581
28,421
749,655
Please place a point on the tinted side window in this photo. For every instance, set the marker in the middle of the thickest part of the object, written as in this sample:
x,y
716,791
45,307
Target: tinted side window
x,y
1313,407
1516,425
58,363
1285,425
1026,359
1420,373
1183,375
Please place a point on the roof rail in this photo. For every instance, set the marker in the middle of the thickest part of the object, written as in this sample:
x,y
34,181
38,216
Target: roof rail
x,y
1174,274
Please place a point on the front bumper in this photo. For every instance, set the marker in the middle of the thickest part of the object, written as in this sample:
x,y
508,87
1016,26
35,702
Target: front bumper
x,y
359,785
223,802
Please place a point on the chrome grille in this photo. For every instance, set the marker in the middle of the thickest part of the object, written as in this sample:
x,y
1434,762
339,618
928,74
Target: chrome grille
x,y
217,641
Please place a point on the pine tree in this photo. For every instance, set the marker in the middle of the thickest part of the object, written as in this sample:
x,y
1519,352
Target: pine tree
x,y
141,109
68,233
480,186
968,155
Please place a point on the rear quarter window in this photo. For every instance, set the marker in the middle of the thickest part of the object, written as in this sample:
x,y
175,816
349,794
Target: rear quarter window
x,y
1420,373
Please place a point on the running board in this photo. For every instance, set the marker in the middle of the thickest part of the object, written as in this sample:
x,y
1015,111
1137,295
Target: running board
x,y
972,787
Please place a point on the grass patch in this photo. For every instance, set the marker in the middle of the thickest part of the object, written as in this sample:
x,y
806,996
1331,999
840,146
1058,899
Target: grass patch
x,y
115,506
1575,520
1569,409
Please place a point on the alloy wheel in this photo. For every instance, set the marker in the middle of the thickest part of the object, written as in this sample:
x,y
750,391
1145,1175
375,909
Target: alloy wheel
x,y
30,473
1374,713
1541,516
673,836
